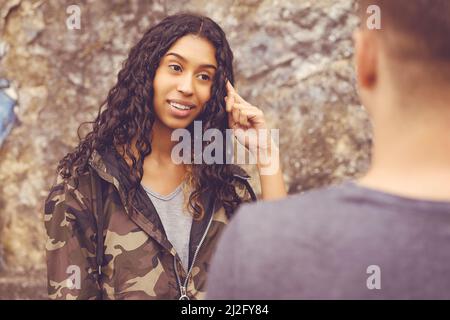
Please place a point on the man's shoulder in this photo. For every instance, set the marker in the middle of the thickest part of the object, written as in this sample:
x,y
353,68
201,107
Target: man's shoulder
x,y
292,217
311,201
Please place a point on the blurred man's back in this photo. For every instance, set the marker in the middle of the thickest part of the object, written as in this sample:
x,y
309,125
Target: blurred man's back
x,y
386,235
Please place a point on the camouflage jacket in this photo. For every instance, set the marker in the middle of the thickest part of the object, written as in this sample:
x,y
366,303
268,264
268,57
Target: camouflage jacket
x,y
133,259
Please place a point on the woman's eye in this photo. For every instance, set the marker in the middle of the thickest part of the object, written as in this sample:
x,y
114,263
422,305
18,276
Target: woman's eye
x,y
175,67
204,77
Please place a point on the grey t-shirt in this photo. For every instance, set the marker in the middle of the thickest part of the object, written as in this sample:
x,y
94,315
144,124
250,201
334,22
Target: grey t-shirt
x,y
175,219
342,242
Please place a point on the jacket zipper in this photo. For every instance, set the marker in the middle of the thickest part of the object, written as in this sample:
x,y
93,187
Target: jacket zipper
x,y
183,294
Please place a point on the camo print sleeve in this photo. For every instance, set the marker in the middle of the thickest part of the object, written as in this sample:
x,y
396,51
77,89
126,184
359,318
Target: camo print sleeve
x,y
70,245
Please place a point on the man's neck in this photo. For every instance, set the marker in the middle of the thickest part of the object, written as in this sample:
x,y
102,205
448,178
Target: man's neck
x,y
411,156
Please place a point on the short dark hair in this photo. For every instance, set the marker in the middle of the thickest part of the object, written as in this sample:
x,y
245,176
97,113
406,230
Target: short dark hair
x,y
424,26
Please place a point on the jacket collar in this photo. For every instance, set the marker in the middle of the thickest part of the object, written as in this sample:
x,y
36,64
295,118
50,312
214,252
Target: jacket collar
x,y
111,167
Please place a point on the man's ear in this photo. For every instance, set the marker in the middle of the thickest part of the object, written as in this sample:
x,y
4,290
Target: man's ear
x,y
366,58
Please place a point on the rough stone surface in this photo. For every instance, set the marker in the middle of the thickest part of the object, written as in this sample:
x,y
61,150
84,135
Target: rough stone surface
x,y
293,59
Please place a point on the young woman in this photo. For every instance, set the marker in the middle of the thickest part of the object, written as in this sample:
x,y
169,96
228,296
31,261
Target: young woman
x,y
125,221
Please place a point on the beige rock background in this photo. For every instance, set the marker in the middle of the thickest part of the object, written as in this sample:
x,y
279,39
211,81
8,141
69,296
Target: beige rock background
x,y
293,59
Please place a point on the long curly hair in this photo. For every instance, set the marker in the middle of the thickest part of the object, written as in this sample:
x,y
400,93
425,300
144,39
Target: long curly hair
x,y
125,119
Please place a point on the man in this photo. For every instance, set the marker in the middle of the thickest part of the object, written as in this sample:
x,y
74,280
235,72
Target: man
x,y
386,235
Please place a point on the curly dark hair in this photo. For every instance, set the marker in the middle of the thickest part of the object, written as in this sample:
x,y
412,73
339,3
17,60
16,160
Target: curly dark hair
x,y
127,119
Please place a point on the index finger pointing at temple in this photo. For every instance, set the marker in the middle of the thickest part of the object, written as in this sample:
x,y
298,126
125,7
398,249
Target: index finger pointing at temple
x,y
232,91
229,101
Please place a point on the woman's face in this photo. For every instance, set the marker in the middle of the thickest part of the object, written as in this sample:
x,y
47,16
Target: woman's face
x,y
183,81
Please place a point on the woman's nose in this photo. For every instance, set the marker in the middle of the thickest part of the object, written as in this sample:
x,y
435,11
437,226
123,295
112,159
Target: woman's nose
x,y
185,85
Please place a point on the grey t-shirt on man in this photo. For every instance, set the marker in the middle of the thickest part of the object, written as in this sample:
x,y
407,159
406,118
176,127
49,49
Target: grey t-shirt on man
x,y
341,242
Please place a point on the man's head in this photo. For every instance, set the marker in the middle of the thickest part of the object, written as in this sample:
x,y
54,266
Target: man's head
x,y
408,58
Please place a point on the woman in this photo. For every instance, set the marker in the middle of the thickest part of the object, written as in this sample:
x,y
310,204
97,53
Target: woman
x,y
124,221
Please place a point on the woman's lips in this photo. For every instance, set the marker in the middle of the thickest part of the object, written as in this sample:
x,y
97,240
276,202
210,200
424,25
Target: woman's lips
x,y
175,109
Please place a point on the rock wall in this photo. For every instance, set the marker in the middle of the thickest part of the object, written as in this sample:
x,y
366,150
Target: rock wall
x,y
293,59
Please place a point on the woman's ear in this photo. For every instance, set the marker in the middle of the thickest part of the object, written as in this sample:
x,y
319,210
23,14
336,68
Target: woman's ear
x,y
366,60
